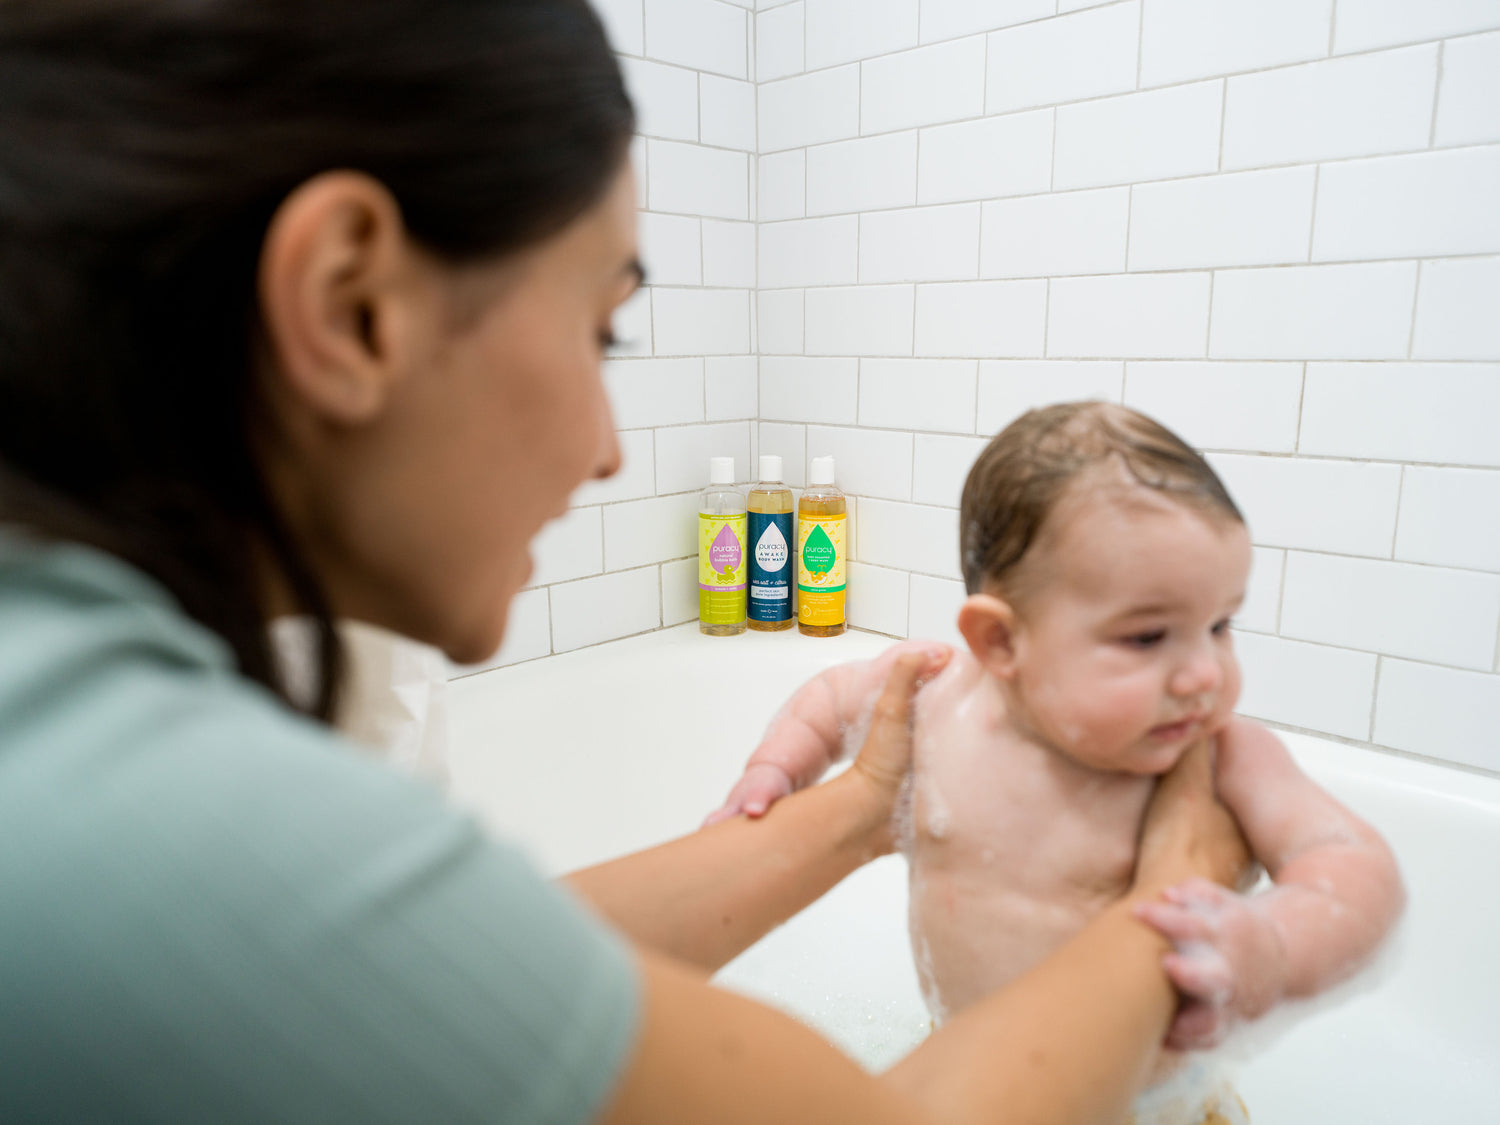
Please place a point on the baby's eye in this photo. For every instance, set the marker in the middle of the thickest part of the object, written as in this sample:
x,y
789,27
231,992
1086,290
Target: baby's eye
x,y
1221,628
1146,640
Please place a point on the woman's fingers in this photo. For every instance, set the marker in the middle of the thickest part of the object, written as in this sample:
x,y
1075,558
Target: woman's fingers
x,y
886,754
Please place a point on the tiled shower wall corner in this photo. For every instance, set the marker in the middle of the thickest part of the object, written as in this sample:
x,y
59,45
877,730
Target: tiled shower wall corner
x,y
683,381
1270,223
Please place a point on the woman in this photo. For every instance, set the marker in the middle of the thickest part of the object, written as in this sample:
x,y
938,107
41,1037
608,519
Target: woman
x,y
302,307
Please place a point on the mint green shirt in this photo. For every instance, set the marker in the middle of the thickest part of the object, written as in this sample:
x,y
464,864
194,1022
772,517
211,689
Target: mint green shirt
x,y
212,910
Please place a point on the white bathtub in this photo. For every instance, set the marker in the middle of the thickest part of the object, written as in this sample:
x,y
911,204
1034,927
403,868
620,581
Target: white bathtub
x,y
599,752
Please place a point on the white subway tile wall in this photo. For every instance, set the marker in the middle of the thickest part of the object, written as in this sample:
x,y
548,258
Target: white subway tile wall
x,y
684,380
882,229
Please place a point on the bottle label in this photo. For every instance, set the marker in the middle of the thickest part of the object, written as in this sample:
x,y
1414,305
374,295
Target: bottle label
x,y
721,568
820,569
770,566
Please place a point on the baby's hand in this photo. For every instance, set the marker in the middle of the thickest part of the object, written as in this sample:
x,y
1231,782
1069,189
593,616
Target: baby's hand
x,y
759,787
1228,960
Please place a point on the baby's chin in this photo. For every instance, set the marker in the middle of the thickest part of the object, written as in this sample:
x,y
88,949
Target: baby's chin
x,y
1154,755
1145,757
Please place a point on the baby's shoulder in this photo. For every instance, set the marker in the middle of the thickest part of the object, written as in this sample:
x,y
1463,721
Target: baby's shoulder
x,y
1256,775
963,692
1247,749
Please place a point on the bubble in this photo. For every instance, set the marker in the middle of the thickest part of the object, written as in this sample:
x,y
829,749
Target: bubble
x,y
937,817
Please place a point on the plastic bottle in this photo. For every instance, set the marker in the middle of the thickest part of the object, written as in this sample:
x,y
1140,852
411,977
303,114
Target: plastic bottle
x,y
822,520
771,535
722,533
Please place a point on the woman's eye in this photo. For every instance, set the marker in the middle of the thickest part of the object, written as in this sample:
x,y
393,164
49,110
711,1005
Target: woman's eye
x,y
1146,640
1221,628
608,340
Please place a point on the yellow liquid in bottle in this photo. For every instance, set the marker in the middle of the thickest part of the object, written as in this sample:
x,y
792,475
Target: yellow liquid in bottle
x,y
775,501
818,502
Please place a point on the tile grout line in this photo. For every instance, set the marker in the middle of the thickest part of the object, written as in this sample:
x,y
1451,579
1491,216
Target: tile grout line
x,y
1046,317
1267,68
1281,590
1396,523
1375,695
1176,178
1223,120
1301,398
1437,94
1052,159
1257,454
1416,301
1140,44
1208,329
1496,666
1312,221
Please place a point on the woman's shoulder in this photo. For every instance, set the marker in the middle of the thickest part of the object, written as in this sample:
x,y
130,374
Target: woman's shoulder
x,y
116,707
264,908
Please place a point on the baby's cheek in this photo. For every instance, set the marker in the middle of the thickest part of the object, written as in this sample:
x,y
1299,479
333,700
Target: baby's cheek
x,y
1229,694
1117,719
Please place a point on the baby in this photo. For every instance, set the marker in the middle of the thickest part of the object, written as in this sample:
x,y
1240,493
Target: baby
x,y
1104,562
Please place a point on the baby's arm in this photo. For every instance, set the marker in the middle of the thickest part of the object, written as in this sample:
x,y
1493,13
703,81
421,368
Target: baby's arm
x,y
808,734
1338,892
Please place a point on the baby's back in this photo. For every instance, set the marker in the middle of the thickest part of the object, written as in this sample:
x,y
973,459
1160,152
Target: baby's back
x,y
1014,848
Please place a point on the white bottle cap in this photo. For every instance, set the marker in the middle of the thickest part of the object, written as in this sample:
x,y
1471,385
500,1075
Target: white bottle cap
x,y
721,470
822,471
770,466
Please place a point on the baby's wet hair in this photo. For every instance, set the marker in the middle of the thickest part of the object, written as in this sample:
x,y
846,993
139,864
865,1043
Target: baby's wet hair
x,y
1031,466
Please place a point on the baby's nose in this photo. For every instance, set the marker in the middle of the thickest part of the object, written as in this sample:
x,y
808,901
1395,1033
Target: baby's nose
x,y
1199,675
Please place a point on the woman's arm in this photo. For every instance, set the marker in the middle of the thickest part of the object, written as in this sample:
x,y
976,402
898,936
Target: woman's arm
x,y
812,729
1069,1042
1338,893
705,897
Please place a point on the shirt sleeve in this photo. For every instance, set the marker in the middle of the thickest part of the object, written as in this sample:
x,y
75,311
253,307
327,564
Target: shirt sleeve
x,y
214,911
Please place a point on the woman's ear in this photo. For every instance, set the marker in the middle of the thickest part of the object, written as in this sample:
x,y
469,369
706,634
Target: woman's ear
x,y
332,284
989,625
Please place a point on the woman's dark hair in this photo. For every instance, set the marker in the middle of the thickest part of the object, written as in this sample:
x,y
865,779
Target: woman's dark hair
x,y
1024,473
145,146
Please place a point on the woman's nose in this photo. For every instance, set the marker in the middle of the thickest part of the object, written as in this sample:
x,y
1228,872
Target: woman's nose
x,y
609,459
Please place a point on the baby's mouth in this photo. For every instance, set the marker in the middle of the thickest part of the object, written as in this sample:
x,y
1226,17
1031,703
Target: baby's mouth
x,y
1171,732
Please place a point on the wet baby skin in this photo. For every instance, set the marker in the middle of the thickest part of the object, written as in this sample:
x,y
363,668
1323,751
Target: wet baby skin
x,y
1037,751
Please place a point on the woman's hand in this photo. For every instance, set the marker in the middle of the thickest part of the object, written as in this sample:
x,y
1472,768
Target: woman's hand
x,y
814,728
1188,833
885,759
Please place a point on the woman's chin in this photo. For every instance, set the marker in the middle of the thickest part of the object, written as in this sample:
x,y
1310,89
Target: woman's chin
x,y
477,650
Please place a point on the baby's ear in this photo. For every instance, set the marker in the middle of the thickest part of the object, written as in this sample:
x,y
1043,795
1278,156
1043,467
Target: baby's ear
x,y
989,625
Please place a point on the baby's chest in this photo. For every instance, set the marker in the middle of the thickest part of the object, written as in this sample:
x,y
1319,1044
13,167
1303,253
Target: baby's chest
x,y
1005,833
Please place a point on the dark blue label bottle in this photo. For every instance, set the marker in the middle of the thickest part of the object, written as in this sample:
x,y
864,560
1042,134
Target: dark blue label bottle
x,y
770,549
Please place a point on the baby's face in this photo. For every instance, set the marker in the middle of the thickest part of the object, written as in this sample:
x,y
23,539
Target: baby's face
x,y
1123,655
